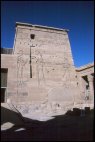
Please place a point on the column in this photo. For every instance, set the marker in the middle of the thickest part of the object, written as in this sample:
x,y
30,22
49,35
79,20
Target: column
x,y
91,89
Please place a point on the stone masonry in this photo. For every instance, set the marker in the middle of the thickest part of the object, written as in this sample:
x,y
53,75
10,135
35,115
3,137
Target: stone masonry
x,y
41,66
41,76
41,79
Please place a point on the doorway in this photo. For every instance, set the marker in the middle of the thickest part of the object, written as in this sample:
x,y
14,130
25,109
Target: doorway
x,y
4,72
86,87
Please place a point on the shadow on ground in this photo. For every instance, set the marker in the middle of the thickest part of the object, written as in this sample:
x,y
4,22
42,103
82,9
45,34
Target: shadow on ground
x,y
68,127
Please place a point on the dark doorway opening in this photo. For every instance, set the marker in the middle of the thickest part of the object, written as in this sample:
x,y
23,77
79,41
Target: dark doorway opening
x,y
86,87
3,91
4,72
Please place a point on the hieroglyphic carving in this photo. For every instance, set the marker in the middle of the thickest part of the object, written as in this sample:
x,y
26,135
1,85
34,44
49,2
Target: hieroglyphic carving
x,y
66,71
42,64
20,67
40,70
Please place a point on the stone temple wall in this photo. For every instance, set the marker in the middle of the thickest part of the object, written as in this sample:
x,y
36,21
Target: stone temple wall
x,y
42,81
41,67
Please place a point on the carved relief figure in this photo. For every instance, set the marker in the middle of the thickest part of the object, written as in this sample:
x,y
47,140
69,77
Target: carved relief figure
x,y
66,75
40,69
20,66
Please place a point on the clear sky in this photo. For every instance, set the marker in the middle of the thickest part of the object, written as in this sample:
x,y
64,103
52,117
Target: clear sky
x,y
77,16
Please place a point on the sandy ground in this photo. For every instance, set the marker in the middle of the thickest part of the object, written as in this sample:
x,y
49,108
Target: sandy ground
x,y
68,127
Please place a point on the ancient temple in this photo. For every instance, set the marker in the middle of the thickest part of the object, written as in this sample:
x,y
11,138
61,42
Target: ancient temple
x,y
40,68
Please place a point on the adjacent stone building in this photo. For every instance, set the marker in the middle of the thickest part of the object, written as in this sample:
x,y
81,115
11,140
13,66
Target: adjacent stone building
x,y
40,68
85,75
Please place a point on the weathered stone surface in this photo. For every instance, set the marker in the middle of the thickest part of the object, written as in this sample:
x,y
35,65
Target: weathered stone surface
x,y
53,75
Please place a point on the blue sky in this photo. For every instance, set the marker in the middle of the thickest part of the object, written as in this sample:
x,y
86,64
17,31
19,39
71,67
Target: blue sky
x,y
77,16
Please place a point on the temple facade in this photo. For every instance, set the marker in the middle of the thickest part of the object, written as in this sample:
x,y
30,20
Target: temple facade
x,y
40,67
